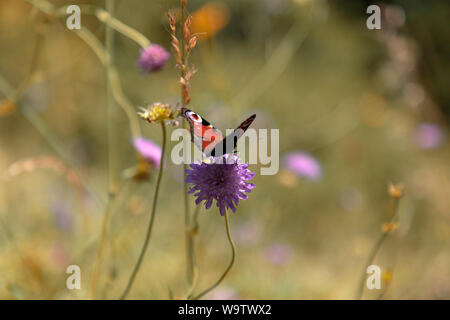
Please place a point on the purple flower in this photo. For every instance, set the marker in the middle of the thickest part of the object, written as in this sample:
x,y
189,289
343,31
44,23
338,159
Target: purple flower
x,y
62,216
152,58
149,150
429,136
303,164
278,253
224,180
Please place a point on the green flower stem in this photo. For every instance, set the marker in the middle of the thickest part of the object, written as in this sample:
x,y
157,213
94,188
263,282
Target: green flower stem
x,y
189,241
112,176
109,45
88,37
121,27
107,18
101,14
375,250
193,230
233,255
100,249
152,217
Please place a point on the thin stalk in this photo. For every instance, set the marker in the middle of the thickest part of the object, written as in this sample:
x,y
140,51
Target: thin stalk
x,y
109,46
112,176
233,255
113,76
375,249
101,14
109,20
188,238
191,250
152,217
100,249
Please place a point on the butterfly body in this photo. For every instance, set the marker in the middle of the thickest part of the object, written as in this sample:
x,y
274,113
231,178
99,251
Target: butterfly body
x,y
210,140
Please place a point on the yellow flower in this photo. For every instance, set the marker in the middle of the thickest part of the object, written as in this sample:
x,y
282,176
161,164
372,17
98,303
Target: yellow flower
x,y
158,111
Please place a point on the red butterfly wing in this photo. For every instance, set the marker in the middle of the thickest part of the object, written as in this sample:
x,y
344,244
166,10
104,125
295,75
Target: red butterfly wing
x,y
209,139
203,134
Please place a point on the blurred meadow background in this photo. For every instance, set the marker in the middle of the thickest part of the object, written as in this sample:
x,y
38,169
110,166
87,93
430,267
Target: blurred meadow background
x,y
357,109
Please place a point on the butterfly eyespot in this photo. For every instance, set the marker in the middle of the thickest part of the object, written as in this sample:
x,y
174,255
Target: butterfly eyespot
x,y
194,117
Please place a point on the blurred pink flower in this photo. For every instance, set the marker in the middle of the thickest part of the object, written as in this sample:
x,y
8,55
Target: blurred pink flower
x,y
303,164
248,233
278,253
149,150
152,58
395,16
429,135
223,293
60,255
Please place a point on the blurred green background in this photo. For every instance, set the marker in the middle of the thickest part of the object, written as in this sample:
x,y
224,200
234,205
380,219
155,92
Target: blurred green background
x,y
355,99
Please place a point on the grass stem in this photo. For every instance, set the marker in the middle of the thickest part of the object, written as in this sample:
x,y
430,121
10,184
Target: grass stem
x,y
152,218
233,256
375,249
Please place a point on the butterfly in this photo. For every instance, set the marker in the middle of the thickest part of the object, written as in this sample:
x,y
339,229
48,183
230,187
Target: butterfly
x,y
210,140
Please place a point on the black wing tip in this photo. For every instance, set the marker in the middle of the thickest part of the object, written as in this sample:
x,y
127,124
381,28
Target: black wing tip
x,y
250,119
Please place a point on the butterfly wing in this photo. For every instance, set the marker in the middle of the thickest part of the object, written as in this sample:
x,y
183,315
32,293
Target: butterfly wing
x,y
229,144
203,134
209,139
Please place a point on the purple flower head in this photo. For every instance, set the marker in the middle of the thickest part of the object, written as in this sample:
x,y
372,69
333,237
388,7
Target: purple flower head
x,y
278,253
149,150
224,179
152,58
429,136
303,164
